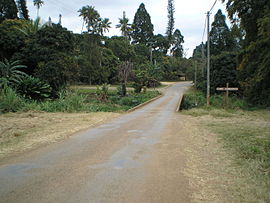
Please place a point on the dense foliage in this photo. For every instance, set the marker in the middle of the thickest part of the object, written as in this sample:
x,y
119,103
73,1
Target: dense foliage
x,y
8,10
23,11
240,55
254,57
224,47
54,58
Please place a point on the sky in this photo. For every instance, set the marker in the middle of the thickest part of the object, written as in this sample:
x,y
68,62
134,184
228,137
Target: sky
x,y
189,15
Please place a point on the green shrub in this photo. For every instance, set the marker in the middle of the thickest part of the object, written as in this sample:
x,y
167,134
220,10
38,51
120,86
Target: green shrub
x,y
71,102
137,87
217,101
33,88
193,99
103,92
10,101
129,101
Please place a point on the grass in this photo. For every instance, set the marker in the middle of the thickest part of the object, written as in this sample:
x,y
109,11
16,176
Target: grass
x,y
245,135
75,100
26,130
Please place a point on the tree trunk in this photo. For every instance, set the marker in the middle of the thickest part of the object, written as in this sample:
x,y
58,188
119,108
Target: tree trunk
x,y
124,89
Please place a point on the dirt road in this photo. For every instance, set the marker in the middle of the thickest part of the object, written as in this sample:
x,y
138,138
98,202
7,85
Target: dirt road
x,y
138,157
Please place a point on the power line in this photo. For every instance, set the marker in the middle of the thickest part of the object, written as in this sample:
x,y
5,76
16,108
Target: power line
x,y
213,6
60,6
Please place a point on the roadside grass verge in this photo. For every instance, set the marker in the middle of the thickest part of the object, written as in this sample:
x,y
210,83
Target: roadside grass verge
x,y
26,130
75,100
245,135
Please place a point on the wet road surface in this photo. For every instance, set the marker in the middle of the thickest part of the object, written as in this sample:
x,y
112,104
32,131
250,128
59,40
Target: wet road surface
x,y
137,157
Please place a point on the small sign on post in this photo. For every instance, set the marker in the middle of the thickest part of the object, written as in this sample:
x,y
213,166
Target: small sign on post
x,y
227,89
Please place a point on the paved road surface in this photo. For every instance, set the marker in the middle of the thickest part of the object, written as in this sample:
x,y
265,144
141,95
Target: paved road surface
x,y
135,158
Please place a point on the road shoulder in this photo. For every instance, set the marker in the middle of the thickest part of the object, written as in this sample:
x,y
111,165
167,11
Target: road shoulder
x,y
21,132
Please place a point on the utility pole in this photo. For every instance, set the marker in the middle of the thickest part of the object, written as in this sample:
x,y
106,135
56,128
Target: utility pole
x,y
208,59
203,59
195,74
151,55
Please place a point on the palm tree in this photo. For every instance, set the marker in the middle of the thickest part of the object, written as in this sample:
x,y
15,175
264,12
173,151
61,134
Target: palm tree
x,y
31,27
124,26
90,18
38,4
10,73
104,25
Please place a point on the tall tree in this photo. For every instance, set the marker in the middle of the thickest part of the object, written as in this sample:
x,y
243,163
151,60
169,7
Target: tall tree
x,y
89,58
38,4
121,48
248,12
178,40
254,58
238,34
220,35
142,26
125,70
104,25
23,11
161,44
91,18
51,52
170,27
8,10
12,41
94,23
124,26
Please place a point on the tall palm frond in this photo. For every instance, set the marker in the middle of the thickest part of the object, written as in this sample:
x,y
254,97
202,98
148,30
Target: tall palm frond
x,y
105,24
124,26
31,27
90,17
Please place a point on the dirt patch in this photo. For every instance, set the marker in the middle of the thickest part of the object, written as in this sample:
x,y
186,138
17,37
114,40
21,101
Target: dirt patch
x,y
168,83
24,131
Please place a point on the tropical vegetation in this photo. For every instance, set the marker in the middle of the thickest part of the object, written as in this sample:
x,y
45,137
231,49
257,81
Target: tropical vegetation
x,y
39,62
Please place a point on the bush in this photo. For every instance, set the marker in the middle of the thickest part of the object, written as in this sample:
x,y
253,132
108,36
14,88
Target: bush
x,y
129,101
193,99
33,88
137,87
71,102
103,92
10,101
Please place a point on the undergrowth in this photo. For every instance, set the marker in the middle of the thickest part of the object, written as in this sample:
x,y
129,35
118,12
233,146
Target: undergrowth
x,y
194,99
79,100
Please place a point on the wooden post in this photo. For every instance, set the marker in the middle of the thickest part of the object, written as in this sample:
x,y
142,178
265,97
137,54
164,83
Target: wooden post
x,y
226,96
